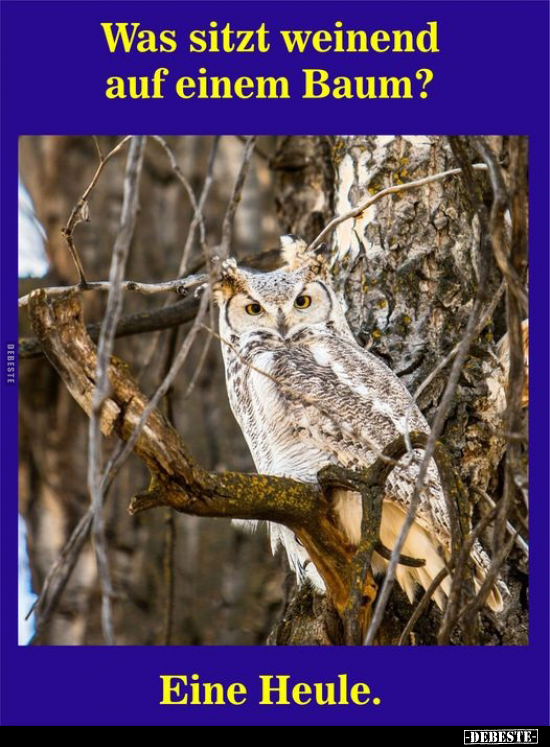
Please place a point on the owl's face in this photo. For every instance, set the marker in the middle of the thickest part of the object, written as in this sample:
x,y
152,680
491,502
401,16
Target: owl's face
x,y
280,304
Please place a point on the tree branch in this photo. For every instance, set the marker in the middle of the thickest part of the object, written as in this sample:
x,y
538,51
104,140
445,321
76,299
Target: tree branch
x,y
180,286
129,324
100,393
177,480
80,212
183,311
356,212
227,227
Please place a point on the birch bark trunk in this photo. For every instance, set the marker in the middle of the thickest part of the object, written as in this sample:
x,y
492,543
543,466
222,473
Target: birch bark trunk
x,y
408,270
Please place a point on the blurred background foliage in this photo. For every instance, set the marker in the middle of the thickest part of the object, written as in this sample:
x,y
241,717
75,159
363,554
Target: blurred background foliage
x,y
229,588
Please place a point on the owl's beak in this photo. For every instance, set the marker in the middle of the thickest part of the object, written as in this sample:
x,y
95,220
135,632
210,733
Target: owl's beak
x,y
282,327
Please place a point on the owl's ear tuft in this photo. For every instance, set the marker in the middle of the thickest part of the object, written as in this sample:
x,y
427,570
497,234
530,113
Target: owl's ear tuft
x,y
321,253
297,255
230,280
293,251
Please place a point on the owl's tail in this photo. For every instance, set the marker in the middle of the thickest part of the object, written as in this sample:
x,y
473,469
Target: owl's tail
x,y
419,544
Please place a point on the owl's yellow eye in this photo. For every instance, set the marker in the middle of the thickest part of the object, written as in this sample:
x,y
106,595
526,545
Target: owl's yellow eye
x,y
302,302
253,309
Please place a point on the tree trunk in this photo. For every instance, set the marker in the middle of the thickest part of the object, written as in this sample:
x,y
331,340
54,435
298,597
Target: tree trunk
x,y
408,270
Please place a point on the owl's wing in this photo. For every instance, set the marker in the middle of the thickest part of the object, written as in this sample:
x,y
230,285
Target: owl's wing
x,y
349,405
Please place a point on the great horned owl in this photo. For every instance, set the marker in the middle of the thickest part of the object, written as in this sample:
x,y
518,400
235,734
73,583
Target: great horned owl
x,y
305,395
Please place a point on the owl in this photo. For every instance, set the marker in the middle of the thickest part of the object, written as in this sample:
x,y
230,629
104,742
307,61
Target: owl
x,y
306,395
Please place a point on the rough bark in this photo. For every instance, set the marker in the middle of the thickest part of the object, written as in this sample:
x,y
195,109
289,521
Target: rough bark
x,y
408,268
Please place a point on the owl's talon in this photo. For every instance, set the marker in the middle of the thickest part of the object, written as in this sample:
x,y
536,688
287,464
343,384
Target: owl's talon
x,y
385,553
334,476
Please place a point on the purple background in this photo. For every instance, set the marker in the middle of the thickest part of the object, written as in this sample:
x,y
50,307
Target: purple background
x,y
490,78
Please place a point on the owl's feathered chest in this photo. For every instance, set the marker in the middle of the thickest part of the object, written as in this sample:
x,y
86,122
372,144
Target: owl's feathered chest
x,y
314,401
323,400
269,413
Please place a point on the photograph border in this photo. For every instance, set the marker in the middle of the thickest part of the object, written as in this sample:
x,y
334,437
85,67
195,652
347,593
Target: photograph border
x,y
417,686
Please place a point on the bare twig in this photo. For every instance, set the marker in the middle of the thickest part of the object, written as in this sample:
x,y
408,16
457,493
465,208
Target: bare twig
x,y
176,363
227,227
101,391
97,147
257,150
422,605
80,210
180,175
498,208
180,286
356,212
518,190
169,580
169,520
202,360
129,324
514,472
470,612
58,575
120,456
485,318
520,542
459,565
198,218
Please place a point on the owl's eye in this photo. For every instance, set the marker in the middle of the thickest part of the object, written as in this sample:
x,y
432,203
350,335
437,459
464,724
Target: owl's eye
x,y
302,302
253,309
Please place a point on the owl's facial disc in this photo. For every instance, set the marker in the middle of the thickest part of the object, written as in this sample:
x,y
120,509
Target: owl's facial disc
x,y
281,309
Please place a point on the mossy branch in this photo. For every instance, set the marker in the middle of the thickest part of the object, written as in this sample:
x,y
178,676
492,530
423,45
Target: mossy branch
x,y
177,480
